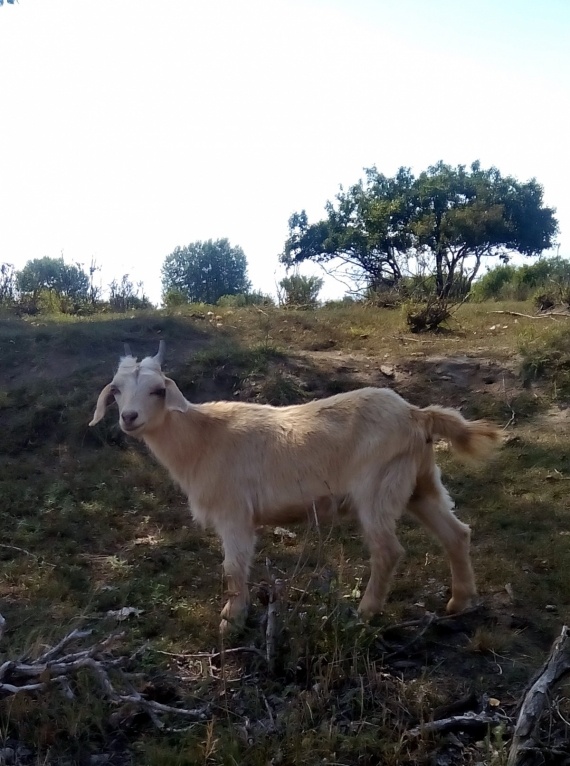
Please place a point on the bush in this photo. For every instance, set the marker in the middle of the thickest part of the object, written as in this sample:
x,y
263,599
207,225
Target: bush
x,y
126,296
300,291
549,358
550,276
174,298
491,285
253,298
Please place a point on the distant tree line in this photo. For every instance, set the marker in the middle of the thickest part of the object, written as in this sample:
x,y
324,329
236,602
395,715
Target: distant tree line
x,y
50,285
401,238
210,272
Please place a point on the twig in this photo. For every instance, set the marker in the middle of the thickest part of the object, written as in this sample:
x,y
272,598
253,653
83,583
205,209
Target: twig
x,y
271,626
415,340
2,626
535,699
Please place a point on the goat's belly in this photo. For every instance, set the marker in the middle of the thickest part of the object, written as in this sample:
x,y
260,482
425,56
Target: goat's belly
x,y
322,509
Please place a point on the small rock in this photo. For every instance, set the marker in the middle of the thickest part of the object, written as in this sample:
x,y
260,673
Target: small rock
x,y
124,613
404,664
387,371
551,608
284,532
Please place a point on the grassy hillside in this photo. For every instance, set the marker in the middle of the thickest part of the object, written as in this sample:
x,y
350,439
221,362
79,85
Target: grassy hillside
x,y
90,525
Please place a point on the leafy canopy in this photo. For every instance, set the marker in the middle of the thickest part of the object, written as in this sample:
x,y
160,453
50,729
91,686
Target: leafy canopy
x,y
441,223
205,271
65,279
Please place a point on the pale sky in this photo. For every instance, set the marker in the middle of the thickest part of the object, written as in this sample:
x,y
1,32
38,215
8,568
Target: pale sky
x,y
130,127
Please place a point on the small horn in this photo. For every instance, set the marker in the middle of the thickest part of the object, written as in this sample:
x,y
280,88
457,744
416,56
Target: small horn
x,y
128,351
161,352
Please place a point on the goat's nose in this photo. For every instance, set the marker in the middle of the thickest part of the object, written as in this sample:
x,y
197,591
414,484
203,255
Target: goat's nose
x,y
129,417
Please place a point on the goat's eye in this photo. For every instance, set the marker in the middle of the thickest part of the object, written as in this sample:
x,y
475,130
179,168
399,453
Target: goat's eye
x,y
159,392
115,391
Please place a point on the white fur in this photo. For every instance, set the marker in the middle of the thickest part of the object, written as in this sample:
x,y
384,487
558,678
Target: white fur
x,y
245,465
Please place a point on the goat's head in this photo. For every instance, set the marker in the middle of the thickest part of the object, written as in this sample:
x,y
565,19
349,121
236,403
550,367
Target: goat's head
x,y
143,393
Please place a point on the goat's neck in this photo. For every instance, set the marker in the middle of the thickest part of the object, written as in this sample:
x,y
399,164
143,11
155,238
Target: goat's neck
x,y
176,443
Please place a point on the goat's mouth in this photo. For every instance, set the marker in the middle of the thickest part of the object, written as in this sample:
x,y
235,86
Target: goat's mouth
x,y
132,430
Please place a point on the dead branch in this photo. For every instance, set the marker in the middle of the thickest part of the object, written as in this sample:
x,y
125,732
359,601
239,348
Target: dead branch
x,y
536,698
547,315
407,646
2,626
56,668
19,550
470,722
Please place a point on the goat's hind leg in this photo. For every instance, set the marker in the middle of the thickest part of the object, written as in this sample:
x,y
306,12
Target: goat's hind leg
x,y
378,513
238,540
433,507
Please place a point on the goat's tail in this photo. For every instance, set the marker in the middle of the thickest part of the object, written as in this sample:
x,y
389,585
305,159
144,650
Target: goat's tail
x,y
472,439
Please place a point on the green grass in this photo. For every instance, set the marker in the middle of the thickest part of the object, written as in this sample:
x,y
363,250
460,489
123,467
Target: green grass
x,y
90,524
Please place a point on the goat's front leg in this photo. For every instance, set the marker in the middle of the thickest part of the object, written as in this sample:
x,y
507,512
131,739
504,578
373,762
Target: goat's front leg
x,y
238,540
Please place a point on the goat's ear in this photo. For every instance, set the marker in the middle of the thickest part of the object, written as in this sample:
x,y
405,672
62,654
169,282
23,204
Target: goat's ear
x,y
104,399
174,399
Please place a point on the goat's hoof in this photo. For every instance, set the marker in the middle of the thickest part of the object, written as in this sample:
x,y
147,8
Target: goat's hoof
x,y
232,623
368,611
455,605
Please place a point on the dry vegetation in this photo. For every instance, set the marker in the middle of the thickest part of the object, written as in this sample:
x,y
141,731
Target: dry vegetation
x,y
91,526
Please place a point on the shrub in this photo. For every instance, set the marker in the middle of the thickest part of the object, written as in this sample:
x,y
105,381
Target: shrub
x,y
300,291
549,358
428,316
253,298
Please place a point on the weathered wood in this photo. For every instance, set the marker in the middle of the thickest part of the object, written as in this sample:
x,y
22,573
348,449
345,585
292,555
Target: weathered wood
x,y
536,699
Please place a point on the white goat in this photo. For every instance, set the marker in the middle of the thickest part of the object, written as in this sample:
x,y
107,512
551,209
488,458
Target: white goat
x,y
246,465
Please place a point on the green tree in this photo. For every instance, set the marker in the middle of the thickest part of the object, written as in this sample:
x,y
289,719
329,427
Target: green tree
x,y
64,279
205,271
442,224
8,287
367,230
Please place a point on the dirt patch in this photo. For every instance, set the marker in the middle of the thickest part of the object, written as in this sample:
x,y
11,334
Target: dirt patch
x,y
421,378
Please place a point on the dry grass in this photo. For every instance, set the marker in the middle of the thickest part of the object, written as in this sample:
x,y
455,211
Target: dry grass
x,y
91,524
